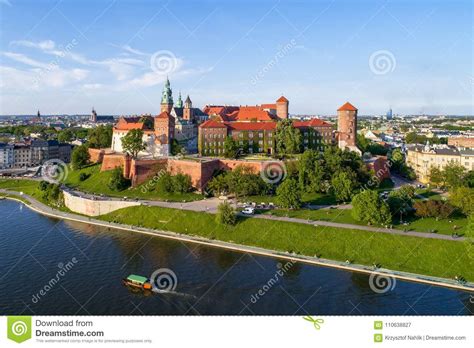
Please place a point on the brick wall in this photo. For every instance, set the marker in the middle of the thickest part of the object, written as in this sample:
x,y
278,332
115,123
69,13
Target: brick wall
x,y
96,155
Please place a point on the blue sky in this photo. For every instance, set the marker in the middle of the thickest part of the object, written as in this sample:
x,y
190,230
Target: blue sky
x,y
67,56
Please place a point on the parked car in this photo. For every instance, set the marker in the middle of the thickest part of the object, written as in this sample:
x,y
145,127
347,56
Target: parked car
x,y
248,211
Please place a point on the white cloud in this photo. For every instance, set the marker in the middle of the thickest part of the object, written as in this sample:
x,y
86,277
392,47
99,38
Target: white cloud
x,y
24,59
42,45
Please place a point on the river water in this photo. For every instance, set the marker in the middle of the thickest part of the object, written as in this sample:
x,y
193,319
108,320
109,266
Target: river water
x,y
50,266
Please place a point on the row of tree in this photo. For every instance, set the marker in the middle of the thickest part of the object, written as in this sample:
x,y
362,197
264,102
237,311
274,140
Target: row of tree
x,y
451,176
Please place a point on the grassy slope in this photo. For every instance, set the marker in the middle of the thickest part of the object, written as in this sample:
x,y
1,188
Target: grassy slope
x,y
98,183
424,256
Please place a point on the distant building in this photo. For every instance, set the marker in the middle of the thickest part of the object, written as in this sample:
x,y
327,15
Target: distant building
x,y
423,157
461,141
21,155
389,114
94,118
6,156
44,150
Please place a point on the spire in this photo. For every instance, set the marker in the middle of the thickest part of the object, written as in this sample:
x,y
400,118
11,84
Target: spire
x,y
38,114
179,103
167,96
187,103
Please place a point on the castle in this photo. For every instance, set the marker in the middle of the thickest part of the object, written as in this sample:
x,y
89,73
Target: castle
x,y
253,128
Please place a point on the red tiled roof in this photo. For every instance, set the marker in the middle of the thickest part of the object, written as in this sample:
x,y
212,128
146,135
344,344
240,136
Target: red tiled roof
x,y
314,122
347,107
212,123
220,110
128,123
250,113
164,114
282,99
268,106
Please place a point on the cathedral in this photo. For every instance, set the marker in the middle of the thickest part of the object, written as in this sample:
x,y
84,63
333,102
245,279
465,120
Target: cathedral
x,y
176,122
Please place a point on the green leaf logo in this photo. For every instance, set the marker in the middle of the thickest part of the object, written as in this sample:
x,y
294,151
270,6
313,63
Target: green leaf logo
x,y
19,328
316,322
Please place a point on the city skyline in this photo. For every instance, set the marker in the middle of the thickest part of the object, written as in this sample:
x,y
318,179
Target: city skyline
x,y
115,56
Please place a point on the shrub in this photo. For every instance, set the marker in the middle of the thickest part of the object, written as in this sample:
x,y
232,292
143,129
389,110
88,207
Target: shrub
x,y
83,176
117,182
433,208
226,214
182,183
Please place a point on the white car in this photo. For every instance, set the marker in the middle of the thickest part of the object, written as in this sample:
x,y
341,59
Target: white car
x,y
248,211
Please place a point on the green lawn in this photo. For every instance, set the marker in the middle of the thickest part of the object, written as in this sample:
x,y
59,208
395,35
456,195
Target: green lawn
x,y
442,226
98,181
307,198
424,256
29,187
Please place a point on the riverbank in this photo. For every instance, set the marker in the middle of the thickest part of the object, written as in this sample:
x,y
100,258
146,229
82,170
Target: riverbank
x,y
232,245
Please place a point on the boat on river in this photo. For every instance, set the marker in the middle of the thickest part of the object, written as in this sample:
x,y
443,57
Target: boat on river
x,y
137,281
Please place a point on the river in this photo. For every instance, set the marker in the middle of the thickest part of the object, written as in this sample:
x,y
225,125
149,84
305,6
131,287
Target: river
x,y
51,266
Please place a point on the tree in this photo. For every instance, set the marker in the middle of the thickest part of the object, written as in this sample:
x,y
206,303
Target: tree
x,y
65,136
401,201
311,173
288,138
433,208
244,182
436,176
469,179
79,157
463,199
368,207
226,214
219,185
100,137
289,194
231,148
454,174
343,185
132,142
177,148
117,182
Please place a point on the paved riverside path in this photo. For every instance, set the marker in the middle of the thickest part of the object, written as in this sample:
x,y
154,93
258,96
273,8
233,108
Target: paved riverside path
x,y
210,206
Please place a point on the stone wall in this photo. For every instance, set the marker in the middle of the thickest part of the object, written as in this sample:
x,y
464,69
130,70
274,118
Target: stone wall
x,y
91,207
143,170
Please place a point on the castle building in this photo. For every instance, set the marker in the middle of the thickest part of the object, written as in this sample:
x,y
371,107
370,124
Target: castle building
x,y
158,133
347,128
176,121
254,127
